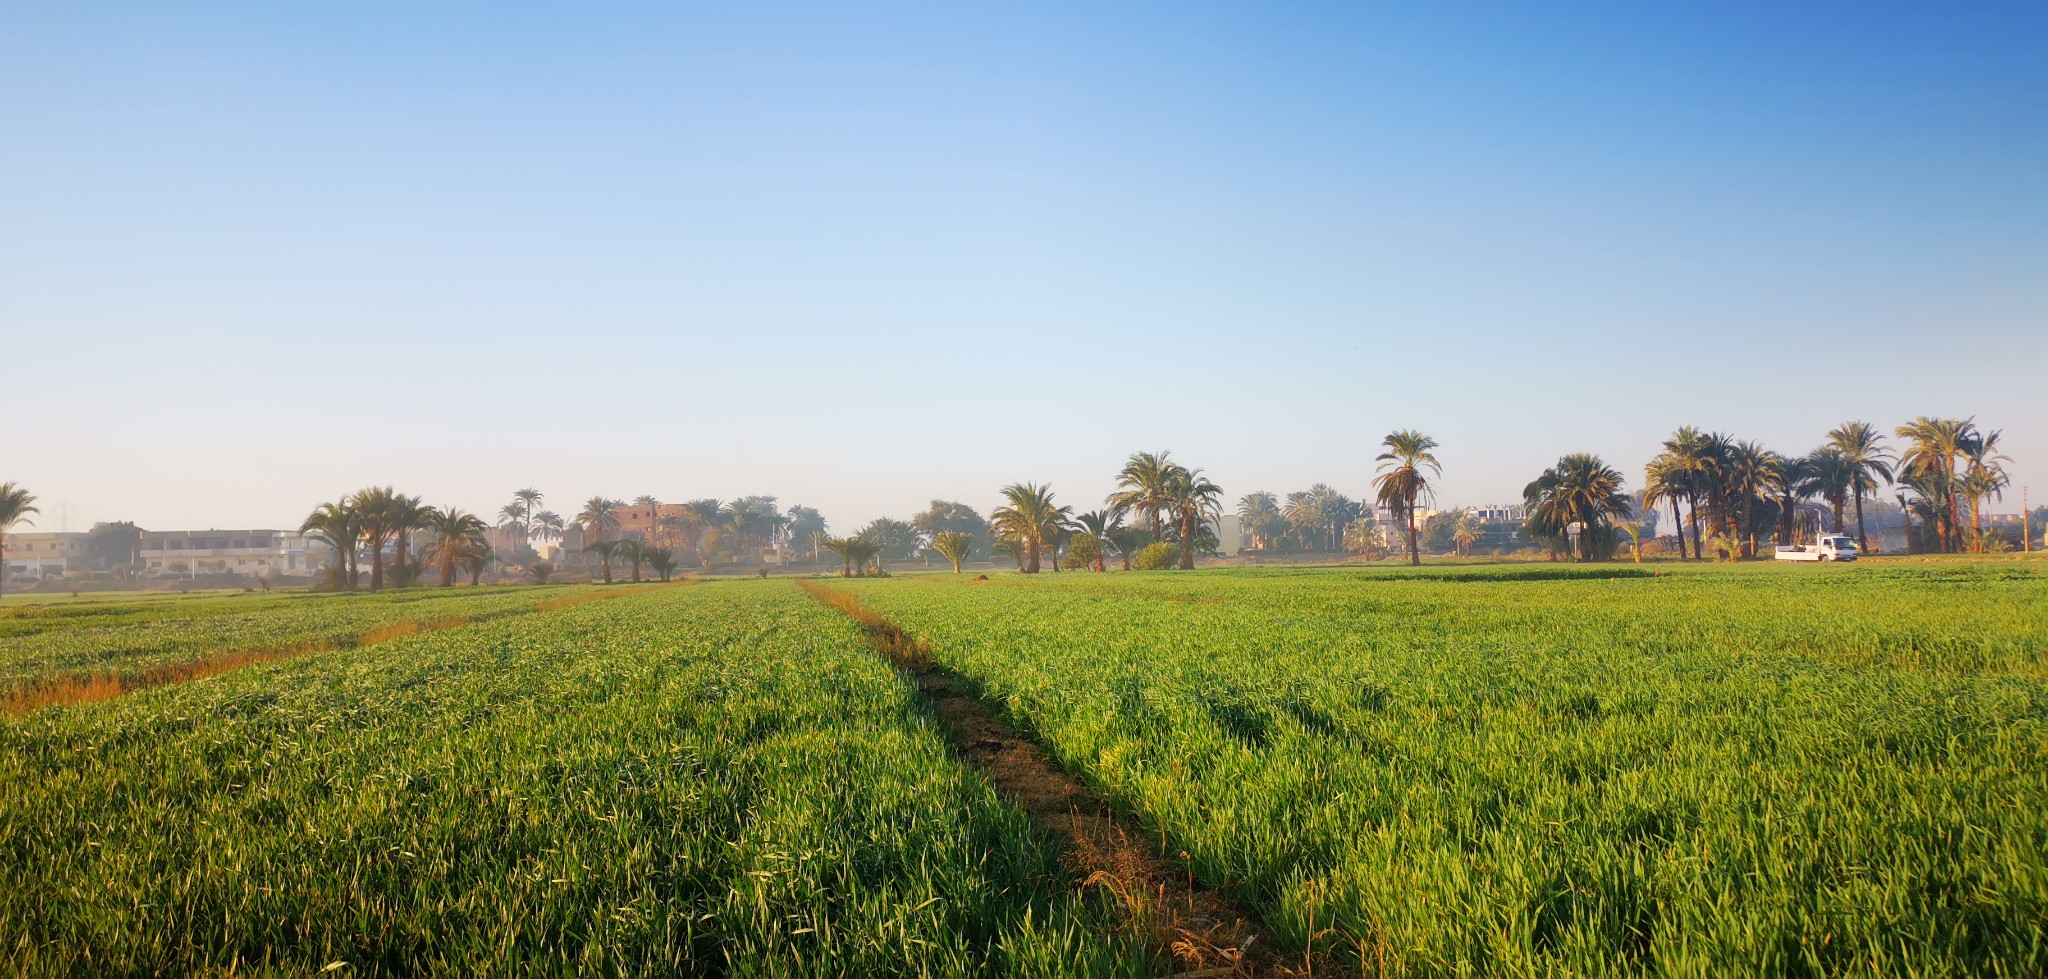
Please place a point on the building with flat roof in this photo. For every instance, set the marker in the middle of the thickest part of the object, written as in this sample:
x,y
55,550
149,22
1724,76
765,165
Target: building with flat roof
x,y
44,554
248,552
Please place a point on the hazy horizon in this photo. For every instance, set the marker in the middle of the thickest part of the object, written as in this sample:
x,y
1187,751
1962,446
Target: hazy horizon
x,y
254,259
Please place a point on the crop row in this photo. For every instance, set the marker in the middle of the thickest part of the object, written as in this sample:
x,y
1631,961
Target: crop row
x,y
127,641
1695,775
716,780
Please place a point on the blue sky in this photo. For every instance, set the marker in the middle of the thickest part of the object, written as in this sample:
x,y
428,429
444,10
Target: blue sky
x,y
861,256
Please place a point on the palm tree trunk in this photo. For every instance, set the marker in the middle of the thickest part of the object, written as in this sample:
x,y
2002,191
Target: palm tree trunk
x,y
1414,550
1680,524
447,573
376,565
1189,524
1862,540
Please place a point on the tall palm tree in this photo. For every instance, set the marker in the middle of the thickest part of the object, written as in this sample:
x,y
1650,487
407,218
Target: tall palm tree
x,y
1986,477
1665,481
1690,457
1029,517
1830,477
1142,487
635,552
1259,513
16,504
528,500
1797,481
458,536
1750,474
1868,462
1930,457
1582,491
516,516
336,525
604,550
1301,515
1194,503
1401,483
598,519
380,511
547,527
407,514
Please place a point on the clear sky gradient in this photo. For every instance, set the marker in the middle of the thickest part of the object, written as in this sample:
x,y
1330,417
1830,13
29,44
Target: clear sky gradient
x,y
253,257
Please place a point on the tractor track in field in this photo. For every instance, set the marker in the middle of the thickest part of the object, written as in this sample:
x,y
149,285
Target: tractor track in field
x,y
1196,929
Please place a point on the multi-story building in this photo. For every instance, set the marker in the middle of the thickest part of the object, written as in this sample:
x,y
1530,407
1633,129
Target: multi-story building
x,y
45,554
644,522
249,552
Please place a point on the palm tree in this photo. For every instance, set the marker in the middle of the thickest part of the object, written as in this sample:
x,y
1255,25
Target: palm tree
x,y
1028,518
547,526
1867,461
1580,491
1096,525
1129,540
1363,536
604,550
1830,477
855,551
1259,513
1194,503
1465,532
540,572
1749,475
1664,480
528,500
953,545
662,561
1986,477
1930,461
458,536
1142,486
599,517
1301,515
1691,458
16,504
516,516
336,525
635,552
380,511
1401,483
1798,480
407,513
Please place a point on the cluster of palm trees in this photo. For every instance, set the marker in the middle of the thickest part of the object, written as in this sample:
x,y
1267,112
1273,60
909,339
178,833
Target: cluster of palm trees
x,y
1573,506
1315,519
1739,492
697,533
375,518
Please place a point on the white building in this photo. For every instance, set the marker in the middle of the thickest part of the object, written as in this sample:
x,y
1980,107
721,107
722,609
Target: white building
x,y
45,554
248,552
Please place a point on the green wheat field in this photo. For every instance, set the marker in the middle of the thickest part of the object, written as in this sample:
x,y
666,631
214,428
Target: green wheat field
x,y
1466,771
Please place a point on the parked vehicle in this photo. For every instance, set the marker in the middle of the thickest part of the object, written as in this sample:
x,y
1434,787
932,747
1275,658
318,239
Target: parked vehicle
x,y
1825,547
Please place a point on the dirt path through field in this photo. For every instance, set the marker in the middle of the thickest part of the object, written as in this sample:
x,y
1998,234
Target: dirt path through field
x,y
1197,929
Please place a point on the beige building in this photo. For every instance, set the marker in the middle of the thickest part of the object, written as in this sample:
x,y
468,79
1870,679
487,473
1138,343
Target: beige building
x,y
45,554
248,552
